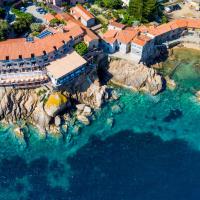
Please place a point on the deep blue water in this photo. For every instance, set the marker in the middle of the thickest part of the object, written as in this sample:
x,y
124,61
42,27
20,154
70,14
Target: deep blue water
x,y
152,152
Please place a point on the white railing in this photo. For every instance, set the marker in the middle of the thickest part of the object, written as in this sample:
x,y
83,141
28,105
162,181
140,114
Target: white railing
x,y
22,74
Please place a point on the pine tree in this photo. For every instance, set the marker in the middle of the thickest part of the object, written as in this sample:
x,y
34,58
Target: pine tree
x,y
135,9
149,9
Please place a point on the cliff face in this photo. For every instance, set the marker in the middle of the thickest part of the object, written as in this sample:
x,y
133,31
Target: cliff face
x,y
136,76
41,106
22,105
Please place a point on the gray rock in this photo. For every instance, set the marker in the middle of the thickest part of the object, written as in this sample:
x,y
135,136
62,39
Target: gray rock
x,y
87,111
66,117
136,76
65,127
57,121
83,119
80,107
115,95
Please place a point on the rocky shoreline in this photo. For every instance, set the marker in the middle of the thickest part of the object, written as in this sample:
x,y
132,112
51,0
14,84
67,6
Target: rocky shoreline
x,y
50,110
137,77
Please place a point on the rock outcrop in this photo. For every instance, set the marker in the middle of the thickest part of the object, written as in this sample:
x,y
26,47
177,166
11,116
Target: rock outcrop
x,y
43,106
56,102
89,91
135,76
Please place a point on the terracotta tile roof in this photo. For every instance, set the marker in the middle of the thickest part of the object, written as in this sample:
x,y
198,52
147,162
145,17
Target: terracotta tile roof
x,y
142,28
69,26
126,36
110,33
76,31
64,16
116,24
15,47
69,19
80,11
141,40
110,36
173,25
194,23
48,17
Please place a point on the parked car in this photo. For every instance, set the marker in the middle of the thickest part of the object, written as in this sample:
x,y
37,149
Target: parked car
x,y
38,9
22,9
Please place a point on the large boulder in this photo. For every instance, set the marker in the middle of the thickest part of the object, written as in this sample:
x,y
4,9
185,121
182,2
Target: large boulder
x,y
135,76
40,118
94,96
56,103
83,119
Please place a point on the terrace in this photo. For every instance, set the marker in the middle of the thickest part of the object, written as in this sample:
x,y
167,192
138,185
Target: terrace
x,y
24,79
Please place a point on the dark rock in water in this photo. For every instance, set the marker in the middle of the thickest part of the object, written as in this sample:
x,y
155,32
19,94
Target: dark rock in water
x,y
173,115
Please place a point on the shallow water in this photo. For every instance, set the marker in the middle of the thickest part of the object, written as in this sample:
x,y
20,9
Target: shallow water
x,y
152,152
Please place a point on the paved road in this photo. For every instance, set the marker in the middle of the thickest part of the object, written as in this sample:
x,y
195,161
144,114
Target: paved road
x,y
32,10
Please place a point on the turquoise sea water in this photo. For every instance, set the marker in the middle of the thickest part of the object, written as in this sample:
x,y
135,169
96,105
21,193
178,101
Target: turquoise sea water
x,y
152,152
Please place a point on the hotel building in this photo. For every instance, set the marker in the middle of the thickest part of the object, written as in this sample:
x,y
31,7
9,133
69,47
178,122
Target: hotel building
x,y
144,41
26,62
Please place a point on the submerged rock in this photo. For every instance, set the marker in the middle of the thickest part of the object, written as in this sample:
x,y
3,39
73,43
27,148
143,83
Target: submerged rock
x,y
19,133
110,122
115,95
65,127
171,84
116,109
76,129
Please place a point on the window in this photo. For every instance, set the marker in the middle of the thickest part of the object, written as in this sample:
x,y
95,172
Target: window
x,y
7,57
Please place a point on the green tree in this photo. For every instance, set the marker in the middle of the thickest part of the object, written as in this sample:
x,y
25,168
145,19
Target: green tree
x,y
36,27
114,4
4,29
20,26
2,13
54,22
149,10
164,19
81,48
135,9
